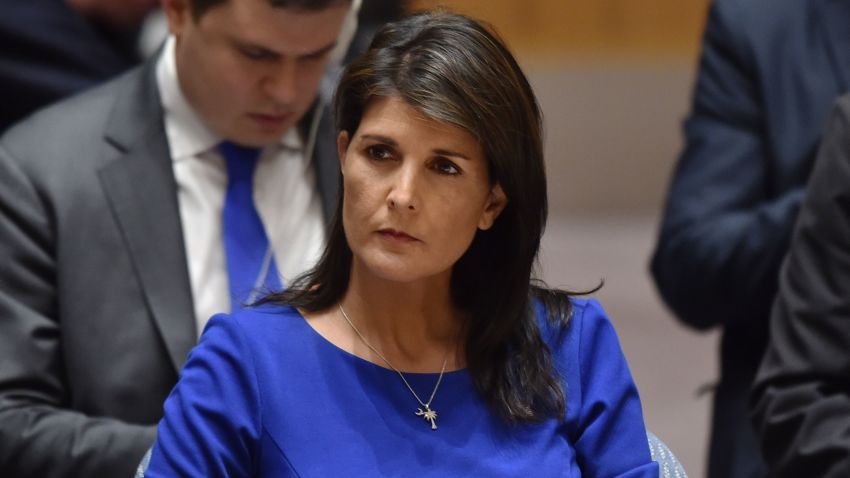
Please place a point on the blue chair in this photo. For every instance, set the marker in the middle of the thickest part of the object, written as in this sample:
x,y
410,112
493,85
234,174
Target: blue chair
x,y
668,465
143,465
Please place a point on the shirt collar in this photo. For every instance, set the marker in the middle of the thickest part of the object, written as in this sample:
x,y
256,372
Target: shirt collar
x,y
188,135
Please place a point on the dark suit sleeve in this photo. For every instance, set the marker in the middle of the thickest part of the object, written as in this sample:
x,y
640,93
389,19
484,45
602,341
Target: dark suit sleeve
x,y
801,400
47,52
723,237
39,435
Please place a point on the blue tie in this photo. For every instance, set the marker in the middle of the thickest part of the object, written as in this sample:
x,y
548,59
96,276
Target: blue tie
x,y
250,264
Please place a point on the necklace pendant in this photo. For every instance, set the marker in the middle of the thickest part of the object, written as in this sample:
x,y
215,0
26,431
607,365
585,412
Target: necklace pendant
x,y
428,415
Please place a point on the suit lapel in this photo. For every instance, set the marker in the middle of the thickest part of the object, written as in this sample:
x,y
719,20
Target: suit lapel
x,y
140,187
835,15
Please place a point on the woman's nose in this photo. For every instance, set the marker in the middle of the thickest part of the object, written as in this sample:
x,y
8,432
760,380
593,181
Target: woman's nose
x,y
404,193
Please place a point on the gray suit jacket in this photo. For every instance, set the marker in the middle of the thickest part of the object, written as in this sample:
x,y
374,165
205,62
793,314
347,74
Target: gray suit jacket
x,y
96,312
801,399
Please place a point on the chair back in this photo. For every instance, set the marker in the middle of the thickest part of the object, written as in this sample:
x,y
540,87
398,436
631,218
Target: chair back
x,y
668,465
143,465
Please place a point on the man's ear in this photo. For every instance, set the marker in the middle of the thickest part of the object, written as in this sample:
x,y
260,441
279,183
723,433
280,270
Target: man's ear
x,y
342,141
178,12
495,205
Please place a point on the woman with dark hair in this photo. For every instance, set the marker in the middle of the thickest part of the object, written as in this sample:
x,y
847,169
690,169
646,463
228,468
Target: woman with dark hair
x,y
417,346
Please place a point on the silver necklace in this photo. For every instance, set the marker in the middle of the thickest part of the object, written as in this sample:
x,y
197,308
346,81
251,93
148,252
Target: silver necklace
x,y
425,412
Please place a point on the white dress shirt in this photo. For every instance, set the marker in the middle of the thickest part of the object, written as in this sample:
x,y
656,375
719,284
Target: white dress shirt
x,y
285,196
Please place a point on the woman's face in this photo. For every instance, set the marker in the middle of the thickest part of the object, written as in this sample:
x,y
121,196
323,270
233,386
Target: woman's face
x,y
416,190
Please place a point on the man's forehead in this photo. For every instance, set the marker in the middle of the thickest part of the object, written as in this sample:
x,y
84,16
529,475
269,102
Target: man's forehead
x,y
298,6
290,31
290,49
309,6
298,37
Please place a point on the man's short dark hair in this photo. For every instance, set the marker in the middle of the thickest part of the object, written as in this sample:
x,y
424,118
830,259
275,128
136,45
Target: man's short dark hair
x,y
199,7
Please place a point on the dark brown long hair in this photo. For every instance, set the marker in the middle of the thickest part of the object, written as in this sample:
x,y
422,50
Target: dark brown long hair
x,y
455,70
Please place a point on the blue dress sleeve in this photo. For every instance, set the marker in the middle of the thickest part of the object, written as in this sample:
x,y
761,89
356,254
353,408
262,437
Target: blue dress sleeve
x,y
610,434
212,422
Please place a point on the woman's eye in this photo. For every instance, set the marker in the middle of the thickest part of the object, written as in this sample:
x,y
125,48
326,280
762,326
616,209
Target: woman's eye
x,y
447,167
378,152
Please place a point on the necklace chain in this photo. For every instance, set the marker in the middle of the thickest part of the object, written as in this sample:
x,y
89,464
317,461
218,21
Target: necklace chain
x,y
427,404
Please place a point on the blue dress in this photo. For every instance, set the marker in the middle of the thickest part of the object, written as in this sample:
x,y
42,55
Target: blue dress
x,y
264,395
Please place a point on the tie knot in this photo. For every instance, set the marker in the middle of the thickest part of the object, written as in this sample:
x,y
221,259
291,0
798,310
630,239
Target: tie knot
x,y
240,161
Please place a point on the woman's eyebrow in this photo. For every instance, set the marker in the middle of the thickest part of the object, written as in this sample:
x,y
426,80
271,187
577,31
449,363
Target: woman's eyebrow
x,y
448,152
379,138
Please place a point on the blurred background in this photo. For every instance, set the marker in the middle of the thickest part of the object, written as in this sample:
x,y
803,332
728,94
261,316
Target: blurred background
x,y
614,78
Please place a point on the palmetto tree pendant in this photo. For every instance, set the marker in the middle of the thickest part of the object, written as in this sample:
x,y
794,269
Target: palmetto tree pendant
x,y
429,415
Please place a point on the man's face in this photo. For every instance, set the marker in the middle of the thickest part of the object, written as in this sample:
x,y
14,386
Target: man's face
x,y
252,70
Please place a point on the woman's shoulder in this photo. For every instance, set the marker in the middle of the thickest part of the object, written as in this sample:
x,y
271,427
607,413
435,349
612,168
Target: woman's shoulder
x,y
255,337
559,313
254,323
576,328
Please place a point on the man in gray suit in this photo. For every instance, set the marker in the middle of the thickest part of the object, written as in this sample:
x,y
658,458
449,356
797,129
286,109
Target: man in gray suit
x,y
111,223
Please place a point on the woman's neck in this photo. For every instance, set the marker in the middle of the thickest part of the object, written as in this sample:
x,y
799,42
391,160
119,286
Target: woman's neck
x,y
414,325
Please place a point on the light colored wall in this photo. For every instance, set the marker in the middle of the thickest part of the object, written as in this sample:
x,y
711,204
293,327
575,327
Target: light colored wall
x,y
618,28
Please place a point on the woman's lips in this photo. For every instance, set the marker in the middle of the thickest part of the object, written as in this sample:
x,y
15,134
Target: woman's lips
x,y
397,235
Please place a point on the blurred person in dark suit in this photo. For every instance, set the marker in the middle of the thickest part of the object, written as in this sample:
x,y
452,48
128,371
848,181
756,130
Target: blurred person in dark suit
x,y
769,71
801,399
50,49
132,212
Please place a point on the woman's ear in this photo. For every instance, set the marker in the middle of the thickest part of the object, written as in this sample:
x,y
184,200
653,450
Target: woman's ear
x,y
342,141
495,205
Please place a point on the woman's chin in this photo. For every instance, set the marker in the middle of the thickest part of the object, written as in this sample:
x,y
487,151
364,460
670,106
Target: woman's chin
x,y
401,270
